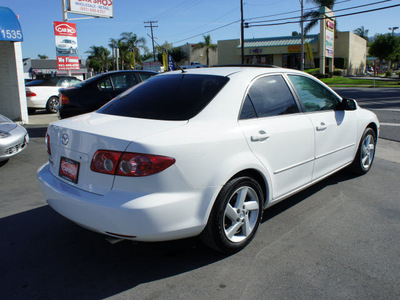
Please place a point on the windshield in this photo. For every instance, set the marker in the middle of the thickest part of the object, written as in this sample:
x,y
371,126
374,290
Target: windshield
x,y
172,97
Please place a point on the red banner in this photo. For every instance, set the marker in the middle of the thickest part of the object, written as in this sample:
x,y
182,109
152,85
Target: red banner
x,y
66,46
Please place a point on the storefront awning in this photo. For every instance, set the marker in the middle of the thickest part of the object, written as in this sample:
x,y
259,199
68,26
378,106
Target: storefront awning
x,y
10,29
280,41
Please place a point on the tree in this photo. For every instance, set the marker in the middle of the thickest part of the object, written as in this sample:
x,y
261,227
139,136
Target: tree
x,y
98,58
207,45
362,32
313,15
385,47
43,56
178,54
134,44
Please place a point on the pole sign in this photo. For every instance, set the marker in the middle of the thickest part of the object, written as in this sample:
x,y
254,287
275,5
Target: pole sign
x,y
10,29
95,8
66,46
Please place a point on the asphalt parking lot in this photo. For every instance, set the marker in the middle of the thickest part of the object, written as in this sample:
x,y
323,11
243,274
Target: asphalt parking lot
x,y
336,240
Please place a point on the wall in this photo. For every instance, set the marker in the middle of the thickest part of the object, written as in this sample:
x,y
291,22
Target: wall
x,y
354,50
198,55
12,85
228,52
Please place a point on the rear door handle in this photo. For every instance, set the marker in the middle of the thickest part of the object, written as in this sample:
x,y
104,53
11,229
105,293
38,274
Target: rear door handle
x,y
322,127
260,136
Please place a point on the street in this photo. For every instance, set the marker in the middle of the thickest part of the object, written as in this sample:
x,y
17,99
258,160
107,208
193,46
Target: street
x,y
336,240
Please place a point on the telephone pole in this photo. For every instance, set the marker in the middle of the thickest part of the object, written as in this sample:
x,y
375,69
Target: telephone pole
x,y
152,36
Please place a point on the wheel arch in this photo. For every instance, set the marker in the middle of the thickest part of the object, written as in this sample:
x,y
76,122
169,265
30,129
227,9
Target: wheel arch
x,y
374,127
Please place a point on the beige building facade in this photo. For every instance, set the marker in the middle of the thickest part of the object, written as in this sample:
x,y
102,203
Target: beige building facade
x,y
350,52
194,54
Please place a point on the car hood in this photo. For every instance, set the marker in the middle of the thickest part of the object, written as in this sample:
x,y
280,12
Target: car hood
x,y
6,125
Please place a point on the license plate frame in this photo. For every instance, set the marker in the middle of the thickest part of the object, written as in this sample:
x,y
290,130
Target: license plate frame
x,y
69,169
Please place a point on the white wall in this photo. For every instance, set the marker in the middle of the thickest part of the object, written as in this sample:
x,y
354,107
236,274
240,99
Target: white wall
x,y
12,85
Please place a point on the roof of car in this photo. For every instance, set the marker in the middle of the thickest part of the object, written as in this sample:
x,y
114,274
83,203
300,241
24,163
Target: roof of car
x,y
235,69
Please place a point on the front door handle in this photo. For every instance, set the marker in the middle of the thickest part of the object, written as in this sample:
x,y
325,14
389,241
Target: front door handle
x,y
322,127
260,136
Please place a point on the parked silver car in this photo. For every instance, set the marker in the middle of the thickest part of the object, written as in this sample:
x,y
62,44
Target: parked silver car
x,y
13,138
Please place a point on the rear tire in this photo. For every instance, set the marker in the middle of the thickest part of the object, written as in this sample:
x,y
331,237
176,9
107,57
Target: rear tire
x,y
235,216
52,104
366,153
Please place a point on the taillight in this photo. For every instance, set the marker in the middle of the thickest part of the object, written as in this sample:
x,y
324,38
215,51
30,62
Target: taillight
x,y
30,94
129,164
47,139
64,99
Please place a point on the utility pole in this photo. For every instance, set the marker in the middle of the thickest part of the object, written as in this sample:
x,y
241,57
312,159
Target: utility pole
x,y
65,19
242,31
302,38
152,36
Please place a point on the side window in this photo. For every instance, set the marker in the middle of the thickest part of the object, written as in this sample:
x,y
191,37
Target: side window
x,y
63,82
248,111
313,95
145,76
105,85
122,82
269,96
73,81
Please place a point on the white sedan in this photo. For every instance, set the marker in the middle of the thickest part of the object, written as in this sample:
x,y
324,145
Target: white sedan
x,y
43,93
202,152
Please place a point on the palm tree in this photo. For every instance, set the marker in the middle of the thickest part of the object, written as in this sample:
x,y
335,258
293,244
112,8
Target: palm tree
x,y
133,44
313,15
43,56
362,32
207,45
98,58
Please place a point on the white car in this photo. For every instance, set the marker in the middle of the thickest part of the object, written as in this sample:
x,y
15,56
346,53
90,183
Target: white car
x,y
13,138
43,93
202,152
68,46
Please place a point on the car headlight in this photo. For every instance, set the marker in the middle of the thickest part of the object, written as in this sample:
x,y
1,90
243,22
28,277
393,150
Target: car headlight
x,y
4,134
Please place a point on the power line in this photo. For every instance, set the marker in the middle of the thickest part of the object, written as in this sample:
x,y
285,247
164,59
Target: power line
x,y
336,10
337,16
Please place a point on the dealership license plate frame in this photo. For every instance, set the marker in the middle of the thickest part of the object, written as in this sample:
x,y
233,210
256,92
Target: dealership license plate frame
x,y
73,174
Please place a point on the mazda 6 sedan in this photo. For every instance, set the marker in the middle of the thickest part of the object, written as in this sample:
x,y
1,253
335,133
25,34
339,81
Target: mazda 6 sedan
x,y
202,152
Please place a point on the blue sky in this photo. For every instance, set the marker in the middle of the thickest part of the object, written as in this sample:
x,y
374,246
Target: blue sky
x,y
183,21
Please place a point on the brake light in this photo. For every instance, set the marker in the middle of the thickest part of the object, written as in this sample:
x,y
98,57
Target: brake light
x,y
47,139
30,94
129,164
64,99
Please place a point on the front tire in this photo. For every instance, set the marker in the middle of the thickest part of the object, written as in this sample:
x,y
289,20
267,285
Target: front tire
x,y
366,153
235,217
52,104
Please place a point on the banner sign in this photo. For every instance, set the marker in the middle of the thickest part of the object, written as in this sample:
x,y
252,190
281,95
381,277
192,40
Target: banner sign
x,y
95,8
329,43
66,46
310,56
170,63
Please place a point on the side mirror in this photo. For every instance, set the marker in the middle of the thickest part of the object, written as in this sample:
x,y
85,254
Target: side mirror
x,y
349,104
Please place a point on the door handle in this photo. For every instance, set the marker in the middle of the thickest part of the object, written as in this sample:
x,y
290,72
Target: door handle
x,y
259,137
322,127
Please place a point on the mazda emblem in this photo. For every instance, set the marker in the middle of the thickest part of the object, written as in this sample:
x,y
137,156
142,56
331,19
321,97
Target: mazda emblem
x,y
65,139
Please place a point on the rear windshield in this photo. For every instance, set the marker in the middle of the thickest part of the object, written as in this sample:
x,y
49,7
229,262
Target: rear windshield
x,y
172,97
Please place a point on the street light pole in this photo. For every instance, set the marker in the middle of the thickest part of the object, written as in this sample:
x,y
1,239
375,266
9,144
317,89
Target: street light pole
x,y
242,31
393,29
302,38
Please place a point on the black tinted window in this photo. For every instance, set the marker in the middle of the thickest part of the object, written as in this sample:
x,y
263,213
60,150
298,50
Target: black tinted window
x,y
171,97
248,111
270,96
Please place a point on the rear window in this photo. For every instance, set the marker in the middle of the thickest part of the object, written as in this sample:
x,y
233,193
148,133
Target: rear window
x,y
172,97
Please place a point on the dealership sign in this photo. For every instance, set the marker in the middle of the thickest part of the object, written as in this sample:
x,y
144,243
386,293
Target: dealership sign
x,y
66,46
95,8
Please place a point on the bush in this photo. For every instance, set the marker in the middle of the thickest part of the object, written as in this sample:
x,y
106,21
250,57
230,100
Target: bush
x,y
337,73
388,73
398,73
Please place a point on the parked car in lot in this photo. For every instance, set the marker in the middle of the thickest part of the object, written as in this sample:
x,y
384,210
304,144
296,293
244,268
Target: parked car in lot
x,y
202,152
94,92
13,138
43,93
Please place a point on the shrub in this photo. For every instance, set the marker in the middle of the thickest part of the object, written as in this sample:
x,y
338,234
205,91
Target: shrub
x,y
388,73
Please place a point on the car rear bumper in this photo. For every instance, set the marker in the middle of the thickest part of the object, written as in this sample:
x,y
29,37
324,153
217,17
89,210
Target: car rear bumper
x,y
149,217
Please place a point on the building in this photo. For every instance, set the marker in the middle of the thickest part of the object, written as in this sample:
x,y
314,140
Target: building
x,y
350,52
36,68
198,55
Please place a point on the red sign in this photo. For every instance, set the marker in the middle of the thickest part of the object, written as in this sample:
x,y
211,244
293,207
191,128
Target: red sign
x,y
66,46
